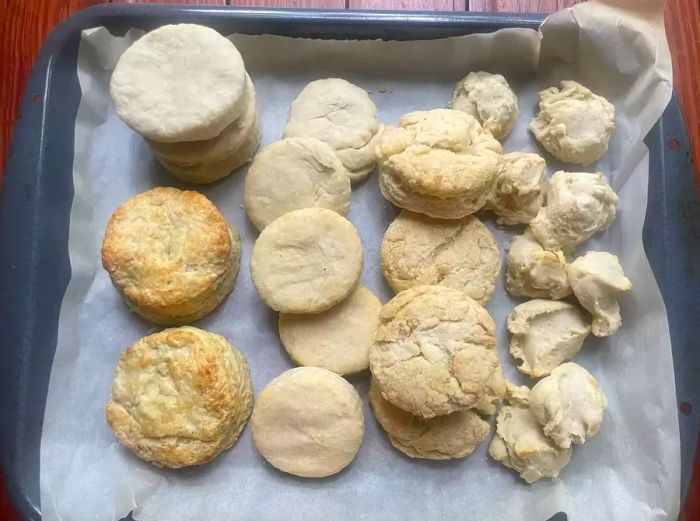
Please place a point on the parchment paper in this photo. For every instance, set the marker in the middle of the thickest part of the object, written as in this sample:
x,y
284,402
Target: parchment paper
x,y
629,472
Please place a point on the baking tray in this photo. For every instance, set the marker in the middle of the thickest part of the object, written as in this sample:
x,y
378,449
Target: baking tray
x,y
38,191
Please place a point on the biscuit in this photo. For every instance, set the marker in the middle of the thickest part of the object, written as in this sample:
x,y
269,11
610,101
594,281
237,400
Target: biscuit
x,y
440,162
578,205
488,98
181,82
180,397
460,254
569,405
454,435
343,116
292,174
171,255
308,422
338,339
218,148
518,195
532,271
573,124
596,278
306,261
434,353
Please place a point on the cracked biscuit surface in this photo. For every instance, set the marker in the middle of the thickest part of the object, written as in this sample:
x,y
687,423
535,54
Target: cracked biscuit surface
x,y
171,255
460,254
180,397
532,271
434,353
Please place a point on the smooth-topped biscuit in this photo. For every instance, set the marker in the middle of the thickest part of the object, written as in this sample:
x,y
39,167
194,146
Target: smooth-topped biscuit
x,y
338,339
180,397
181,82
488,98
532,271
434,353
306,261
171,254
460,254
343,116
573,124
308,422
295,173
440,162
454,435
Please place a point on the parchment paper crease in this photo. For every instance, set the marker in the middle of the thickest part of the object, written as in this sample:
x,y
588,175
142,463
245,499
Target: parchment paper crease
x,y
629,472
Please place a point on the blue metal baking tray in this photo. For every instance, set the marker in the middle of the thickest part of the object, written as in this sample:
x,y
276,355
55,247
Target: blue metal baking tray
x,y
38,192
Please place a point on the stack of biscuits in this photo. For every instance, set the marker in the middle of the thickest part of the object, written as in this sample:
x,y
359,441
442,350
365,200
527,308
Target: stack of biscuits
x,y
185,89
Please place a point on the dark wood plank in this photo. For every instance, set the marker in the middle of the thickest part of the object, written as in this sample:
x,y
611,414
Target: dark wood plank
x,y
412,5
316,4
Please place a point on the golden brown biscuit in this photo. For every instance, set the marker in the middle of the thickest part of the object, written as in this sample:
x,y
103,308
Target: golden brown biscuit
x,y
171,255
180,397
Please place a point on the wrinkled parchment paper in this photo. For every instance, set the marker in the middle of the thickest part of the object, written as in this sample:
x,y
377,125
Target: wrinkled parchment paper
x,y
629,472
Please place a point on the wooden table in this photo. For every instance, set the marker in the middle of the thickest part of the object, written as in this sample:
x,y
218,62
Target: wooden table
x,y
25,23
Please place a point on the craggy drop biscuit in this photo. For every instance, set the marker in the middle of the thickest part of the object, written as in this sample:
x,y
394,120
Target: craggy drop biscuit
x,y
171,255
306,261
532,271
338,339
454,435
308,422
180,397
295,173
434,353
460,254
181,82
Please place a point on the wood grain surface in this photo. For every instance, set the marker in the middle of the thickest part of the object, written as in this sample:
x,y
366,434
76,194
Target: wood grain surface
x,y
24,24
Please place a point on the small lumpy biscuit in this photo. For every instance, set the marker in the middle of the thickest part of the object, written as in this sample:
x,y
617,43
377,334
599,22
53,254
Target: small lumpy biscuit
x,y
292,174
181,82
180,397
520,443
338,339
306,261
454,435
488,98
343,116
460,254
532,271
519,194
308,422
573,124
569,405
434,353
171,254
440,163
596,279
578,205
545,334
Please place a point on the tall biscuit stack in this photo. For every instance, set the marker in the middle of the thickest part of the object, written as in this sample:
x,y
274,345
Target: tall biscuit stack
x,y
185,89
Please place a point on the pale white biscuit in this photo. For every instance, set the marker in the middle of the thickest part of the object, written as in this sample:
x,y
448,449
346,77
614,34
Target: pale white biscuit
x,y
295,173
454,435
569,405
488,98
520,443
578,205
545,334
221,147
434,353
461,254
338,339
181,82
532,271
180,397
440,162
308,422
596,278
306,261
342,115
573,124
519,194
